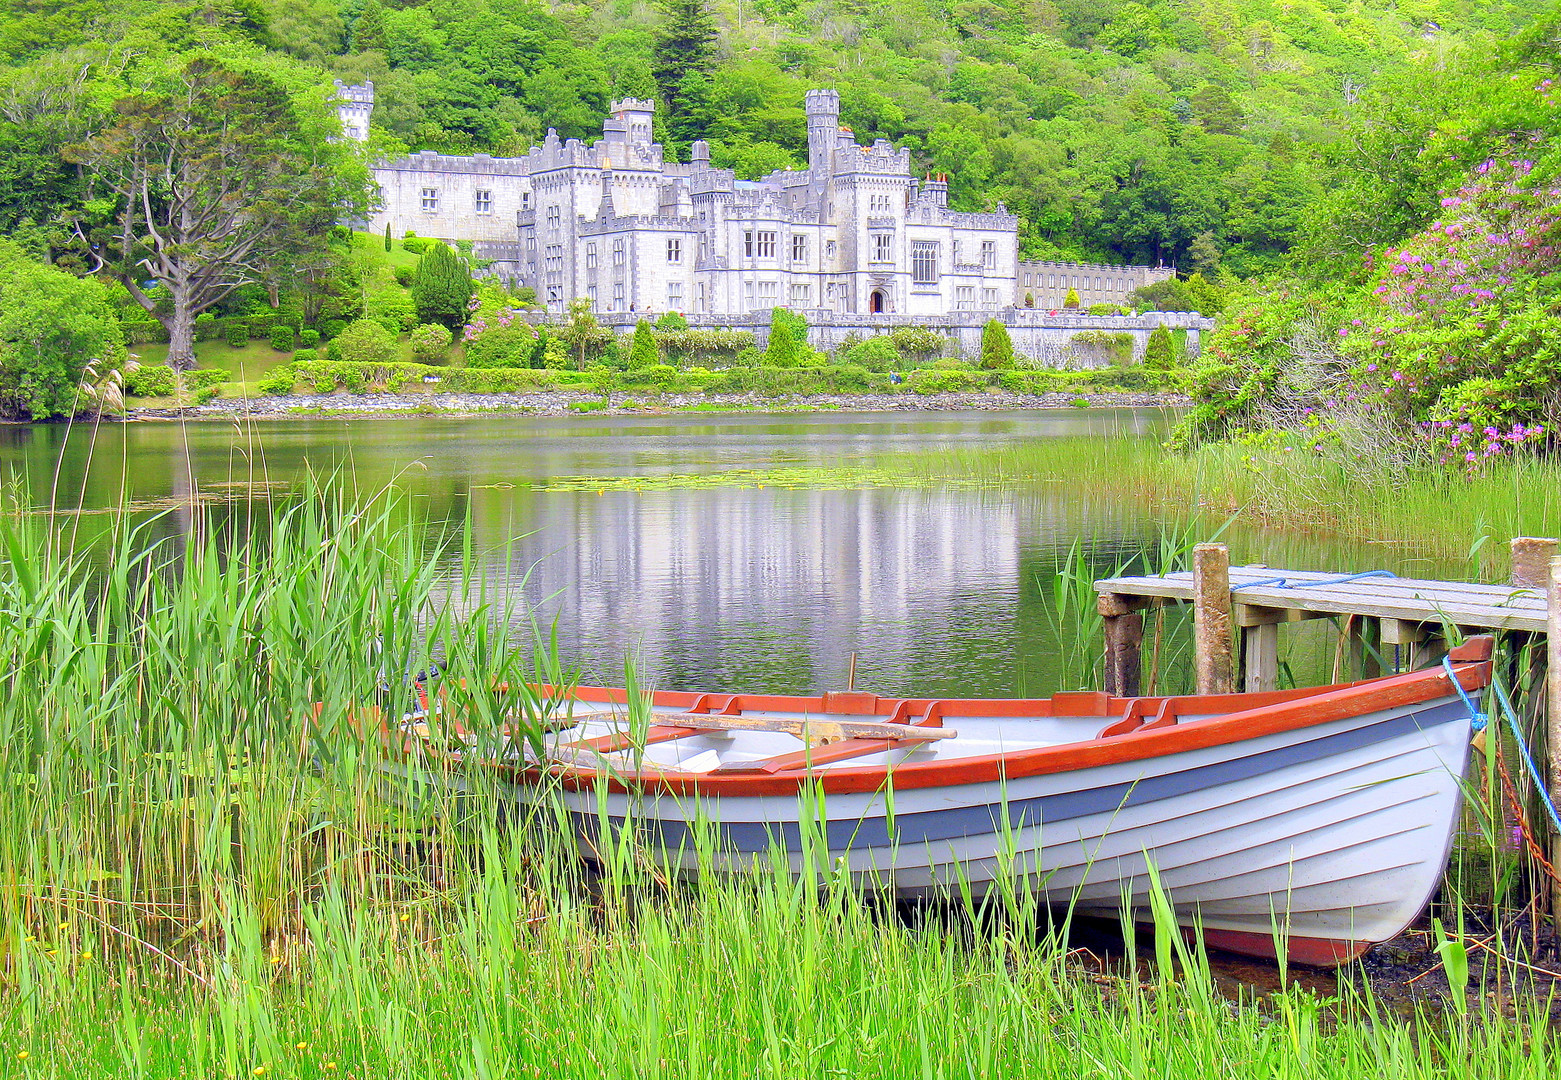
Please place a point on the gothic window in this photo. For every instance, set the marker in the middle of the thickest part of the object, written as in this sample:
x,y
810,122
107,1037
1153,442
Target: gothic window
x,y
965,298
674,296
748,294
989,254
430,200
769,292
483,201
525,200
531,243
552,217
759,244
829,249
555,294
924,263
674,251
553,258
701,295
989,298
799,249
590,256
617,297
800,295
617,252
883,247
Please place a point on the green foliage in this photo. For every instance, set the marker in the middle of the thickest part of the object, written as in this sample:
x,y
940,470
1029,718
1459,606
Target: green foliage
x,y
504,342
300,355
947,381
788,339
442,287
387,237
1107,309
236,333
430,342
391,307
643,352
707,347
365,342
671,320
997,348
282,339
1159,351
327,376
917,343
1195,293
308,337
150,380
1071,301
205,326
874,354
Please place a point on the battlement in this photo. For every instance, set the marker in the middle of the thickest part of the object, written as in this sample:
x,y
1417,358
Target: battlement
x,y
629,104
362,94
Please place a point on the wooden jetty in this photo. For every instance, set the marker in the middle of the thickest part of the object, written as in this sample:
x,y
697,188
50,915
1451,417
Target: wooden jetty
x,y
1377,612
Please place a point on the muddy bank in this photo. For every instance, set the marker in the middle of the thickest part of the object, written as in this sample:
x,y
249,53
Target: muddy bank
x,y
566,403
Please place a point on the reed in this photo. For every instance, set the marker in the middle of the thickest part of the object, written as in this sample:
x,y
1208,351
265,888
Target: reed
x,y
202,873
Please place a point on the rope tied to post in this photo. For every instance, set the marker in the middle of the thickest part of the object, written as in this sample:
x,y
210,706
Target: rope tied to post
x,y
1477,718
1479,721
1292,583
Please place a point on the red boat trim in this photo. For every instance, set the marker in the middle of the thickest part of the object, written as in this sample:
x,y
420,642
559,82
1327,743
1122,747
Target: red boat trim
x,y
1291,711
1317,952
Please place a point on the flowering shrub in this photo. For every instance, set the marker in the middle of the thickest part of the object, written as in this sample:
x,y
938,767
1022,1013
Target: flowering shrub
x,y
505,340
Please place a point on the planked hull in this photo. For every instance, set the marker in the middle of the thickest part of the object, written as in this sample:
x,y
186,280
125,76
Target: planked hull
x,y
1316,825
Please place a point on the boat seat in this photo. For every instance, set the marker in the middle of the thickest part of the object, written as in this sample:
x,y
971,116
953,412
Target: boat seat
x,y
1135,717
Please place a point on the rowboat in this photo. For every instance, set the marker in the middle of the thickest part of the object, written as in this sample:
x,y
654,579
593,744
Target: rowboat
x,y
1311,822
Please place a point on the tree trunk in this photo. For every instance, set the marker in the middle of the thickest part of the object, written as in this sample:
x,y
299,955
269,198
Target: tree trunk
x,y
181,335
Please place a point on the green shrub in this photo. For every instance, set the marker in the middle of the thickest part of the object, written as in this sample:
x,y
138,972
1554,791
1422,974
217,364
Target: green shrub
x,y
1102,345
918,343
392,308
142,331
415,244
703,346
329,328
442,286
1159,352
404,276
326,376
1071,301
671,320
660,376
431,342
305,355
260,326
784,349
236,333
308,338
874,354
205,378
643,352
205,326
997,348
151,380
282,339
748,357
279,380
1107,309
935,381
365,342
506,342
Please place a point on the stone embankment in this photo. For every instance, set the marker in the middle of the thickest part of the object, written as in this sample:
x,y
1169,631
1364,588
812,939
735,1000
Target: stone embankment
x,y
556,403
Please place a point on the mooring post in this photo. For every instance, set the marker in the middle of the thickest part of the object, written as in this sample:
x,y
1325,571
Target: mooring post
x,y
1553,723
1531,557
1124,627
1365,647
1213,651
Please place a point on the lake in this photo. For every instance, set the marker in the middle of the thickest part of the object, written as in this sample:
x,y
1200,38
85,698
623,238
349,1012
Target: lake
x,y
752,552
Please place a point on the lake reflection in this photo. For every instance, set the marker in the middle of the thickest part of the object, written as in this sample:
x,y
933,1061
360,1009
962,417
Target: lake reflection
x,y
764,577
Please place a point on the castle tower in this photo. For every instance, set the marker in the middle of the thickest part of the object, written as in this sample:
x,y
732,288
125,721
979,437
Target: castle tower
x,y
823,107
355,104
634,114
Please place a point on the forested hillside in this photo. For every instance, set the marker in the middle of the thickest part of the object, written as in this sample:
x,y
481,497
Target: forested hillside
x,y
1194,131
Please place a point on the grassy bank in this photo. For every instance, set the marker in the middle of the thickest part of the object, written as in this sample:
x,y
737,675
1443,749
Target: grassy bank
x,y
1444,514
199,878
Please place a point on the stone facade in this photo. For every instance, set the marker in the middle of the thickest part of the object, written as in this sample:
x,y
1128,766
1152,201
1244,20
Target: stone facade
x,y
1048,282
613,221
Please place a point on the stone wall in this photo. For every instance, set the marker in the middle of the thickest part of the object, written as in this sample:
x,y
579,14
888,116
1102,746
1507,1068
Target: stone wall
x,y
1041,339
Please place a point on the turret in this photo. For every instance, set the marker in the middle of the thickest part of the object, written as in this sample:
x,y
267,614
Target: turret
x,y
355,105
823,107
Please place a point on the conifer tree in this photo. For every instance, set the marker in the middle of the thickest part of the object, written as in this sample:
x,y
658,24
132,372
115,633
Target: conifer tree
x,y
643,352
997,348
368,32
685,45
1160,350
1072,300
442,286
783,349
387,236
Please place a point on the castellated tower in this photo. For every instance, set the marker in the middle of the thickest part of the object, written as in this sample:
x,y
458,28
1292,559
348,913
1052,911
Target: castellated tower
x,y
355,104
823,108
634,114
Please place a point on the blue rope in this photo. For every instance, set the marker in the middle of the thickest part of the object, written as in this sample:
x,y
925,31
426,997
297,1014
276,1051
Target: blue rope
x,y
1284,583
1477,719
1528,758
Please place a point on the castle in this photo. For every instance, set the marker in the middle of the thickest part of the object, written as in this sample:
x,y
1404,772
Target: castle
x,y
615,222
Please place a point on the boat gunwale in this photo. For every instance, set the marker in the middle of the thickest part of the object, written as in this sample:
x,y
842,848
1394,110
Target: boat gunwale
x,y
1297,710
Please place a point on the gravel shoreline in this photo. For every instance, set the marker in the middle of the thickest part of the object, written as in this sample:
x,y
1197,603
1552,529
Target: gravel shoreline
x,y
563,403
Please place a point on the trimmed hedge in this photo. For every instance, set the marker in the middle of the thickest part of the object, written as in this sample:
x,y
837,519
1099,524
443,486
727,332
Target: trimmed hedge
x,y
143,331
159,380
326,376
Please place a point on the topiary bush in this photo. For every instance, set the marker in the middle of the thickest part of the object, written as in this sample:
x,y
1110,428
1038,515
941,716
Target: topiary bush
x,y
308,338
282,339
1071,301
1160,350
365,342
152,380
997,348
430,342
303,355
236,333
279,381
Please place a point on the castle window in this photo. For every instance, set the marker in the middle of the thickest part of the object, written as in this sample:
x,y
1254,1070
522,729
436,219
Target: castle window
x,y
965,298
525,200
799,249
759,244
483,201
748,295
769,293
674,251
617,252
989,254
555,294
989,298
924,263
800,295
531,243
590,256
430,200
617,297
553,258
590,294
552,217
674,296
883,247
701,295
829,249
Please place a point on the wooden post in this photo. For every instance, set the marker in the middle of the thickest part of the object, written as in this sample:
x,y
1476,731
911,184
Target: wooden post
x,y
1124,643
1212,643
1365,647
1531,557
1260,657
1553,725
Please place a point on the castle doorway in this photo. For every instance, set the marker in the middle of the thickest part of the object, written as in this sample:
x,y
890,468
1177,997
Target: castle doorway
x,y
877,303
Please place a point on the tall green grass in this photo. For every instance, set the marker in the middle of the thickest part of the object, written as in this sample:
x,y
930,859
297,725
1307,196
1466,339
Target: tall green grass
x,y
201,875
